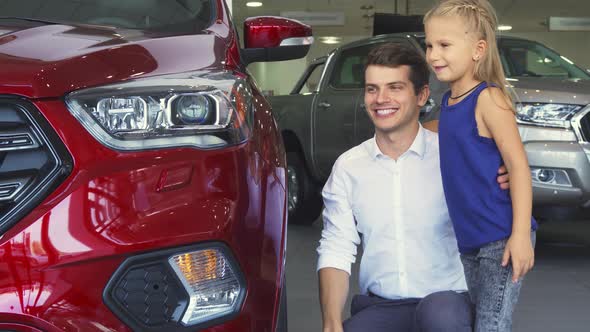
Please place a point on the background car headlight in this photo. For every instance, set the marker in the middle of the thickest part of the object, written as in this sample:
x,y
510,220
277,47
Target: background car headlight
x,y
550,115
199,110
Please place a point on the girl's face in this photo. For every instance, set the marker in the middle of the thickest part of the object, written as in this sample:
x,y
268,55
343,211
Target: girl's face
x,y
451,49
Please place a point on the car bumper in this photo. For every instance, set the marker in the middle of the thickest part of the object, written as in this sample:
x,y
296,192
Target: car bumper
x,y
56,262
559,151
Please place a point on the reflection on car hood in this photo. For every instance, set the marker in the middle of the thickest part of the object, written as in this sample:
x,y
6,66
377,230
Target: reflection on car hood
x,y
556,90
51,60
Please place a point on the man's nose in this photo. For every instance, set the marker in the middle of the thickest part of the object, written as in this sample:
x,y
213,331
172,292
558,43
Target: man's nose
x,y
383,96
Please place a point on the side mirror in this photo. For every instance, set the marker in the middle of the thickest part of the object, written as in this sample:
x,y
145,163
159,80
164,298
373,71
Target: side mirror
x,y
271,38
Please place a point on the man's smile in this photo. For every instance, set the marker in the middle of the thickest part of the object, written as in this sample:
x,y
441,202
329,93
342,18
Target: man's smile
x,y
385,112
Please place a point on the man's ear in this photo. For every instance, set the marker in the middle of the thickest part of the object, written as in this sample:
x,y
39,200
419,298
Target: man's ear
x,y
423,95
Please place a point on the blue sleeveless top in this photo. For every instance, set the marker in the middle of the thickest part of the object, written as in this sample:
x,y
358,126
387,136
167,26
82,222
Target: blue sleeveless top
x,y
480,210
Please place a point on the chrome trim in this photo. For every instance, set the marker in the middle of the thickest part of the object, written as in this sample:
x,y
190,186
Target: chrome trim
x,y
6,187
577,126
30,140
297,41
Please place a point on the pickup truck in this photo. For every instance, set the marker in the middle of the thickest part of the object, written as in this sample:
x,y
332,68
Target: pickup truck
x,y
324,116
142,173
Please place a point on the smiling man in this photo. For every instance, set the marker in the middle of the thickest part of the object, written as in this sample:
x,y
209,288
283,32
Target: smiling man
x,y
387,194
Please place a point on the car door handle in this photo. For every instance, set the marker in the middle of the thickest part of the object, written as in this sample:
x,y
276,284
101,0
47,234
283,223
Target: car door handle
x,y
324,104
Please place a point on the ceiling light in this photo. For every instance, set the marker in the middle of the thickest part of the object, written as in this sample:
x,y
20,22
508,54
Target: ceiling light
x,y
254,4
504,27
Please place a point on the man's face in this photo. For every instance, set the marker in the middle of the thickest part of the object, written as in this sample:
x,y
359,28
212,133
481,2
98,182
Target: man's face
x,y
390,99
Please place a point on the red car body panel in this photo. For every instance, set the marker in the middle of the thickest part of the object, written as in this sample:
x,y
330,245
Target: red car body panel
x,y
55,262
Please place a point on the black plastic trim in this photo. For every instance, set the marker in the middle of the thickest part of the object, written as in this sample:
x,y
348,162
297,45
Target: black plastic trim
x,y
162,256
31,197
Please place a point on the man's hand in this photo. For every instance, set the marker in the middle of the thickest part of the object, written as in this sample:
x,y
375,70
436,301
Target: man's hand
x,y
519,250
503,178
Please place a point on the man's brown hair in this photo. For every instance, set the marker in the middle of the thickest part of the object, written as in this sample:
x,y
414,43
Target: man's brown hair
x,y
394,55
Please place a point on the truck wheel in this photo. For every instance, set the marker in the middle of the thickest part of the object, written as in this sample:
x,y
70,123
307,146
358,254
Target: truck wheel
x,y
304,199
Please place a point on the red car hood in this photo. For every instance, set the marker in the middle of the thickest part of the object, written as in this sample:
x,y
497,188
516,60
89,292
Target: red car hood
x,y
52,60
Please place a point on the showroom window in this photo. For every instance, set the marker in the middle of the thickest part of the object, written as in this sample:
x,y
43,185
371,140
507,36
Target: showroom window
x,y
349,70
312,82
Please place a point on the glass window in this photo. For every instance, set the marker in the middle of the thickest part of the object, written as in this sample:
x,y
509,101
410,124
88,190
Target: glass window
x,y
522,58
349,71
179,16
312,82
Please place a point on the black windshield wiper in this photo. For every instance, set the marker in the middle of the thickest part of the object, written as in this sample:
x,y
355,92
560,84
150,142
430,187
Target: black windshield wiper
x,y
28,19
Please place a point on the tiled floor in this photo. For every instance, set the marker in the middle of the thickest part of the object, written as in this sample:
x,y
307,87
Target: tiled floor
x,y
555,297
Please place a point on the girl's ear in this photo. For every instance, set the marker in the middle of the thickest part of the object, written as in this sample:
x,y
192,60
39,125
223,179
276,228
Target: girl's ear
x,y
481,47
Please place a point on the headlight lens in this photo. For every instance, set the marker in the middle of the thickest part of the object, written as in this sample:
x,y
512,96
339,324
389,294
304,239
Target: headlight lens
x,y
199,110
551,115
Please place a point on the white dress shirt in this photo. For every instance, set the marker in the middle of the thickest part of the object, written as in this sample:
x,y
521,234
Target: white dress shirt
x,y
398,209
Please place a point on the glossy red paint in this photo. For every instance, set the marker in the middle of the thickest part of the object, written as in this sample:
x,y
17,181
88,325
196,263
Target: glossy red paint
x,y
55,262
266,32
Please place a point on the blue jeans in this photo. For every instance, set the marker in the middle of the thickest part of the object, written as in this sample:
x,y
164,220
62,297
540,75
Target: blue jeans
x,y
446,311
491,288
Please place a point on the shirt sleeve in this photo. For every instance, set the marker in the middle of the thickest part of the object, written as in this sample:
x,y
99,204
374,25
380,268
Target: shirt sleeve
x,y
340,238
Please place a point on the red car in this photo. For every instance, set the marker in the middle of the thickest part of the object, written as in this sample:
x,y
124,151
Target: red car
x,y
142,176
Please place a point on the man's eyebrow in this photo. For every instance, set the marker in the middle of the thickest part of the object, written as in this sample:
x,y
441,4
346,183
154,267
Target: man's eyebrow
x,y
397,82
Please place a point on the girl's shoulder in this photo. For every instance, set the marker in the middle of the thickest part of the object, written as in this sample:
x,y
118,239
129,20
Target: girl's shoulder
x,y
492,97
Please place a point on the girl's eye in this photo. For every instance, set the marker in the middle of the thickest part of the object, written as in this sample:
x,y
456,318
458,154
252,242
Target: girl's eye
x,y
444,45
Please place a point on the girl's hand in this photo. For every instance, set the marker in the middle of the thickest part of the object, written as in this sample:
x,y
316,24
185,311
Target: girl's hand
x,y
519,250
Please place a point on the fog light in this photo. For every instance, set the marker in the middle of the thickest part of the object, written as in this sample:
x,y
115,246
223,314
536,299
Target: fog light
x,y
550,176
211,283
546,175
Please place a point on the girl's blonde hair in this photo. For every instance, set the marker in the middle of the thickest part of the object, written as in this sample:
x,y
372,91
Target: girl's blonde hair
x,y
481,19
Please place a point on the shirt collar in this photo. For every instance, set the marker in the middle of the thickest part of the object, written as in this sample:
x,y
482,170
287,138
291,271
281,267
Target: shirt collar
x,y
418,146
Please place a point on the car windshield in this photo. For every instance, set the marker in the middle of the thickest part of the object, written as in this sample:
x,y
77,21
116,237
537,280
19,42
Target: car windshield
x,y
525,58
170,16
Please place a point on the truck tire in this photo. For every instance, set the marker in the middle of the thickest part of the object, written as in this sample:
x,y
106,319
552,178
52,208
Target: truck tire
x,y
304,199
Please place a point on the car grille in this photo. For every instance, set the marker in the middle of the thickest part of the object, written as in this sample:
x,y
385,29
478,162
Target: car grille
x,y
33,160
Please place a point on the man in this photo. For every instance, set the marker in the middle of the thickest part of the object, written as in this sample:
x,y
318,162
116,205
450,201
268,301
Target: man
x,y
387,193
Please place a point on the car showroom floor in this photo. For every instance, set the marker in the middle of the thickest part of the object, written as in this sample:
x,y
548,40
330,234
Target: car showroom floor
x,y
555,297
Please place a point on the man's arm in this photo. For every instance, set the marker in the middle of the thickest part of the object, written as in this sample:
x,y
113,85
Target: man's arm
x,y
431,125
337,250
333,293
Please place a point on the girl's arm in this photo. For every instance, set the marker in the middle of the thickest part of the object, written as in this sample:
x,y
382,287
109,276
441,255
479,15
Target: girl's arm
x,y
495,119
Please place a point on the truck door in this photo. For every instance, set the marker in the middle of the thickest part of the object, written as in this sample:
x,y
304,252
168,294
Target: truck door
x,y
334,107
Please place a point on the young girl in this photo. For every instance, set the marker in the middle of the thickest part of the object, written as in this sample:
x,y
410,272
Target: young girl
x,y
477,133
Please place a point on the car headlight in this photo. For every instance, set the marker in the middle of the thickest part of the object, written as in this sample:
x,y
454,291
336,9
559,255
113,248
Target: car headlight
x,y
550,115
202,110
